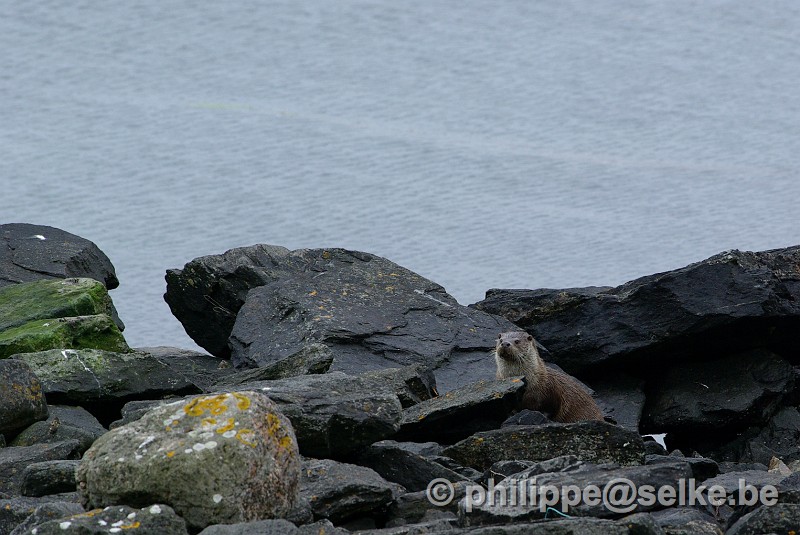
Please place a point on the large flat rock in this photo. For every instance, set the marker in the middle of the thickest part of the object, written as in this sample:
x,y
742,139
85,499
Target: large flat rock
x,y
732,301
261,304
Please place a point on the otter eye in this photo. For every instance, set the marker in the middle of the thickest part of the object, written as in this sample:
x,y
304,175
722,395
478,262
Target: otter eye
x,y
516,341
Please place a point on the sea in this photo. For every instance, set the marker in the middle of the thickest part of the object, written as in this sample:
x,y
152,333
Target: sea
x,y
504,144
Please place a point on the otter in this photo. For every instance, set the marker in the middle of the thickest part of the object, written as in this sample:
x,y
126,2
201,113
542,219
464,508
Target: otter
x,y
548,390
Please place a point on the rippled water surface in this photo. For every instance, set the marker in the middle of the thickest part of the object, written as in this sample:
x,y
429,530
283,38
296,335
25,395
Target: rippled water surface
x,y
510,144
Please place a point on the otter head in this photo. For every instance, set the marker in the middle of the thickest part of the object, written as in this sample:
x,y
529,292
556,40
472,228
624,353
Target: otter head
x,y
514,345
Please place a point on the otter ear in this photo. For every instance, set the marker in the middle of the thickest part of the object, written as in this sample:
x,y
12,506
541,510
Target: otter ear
x,y
530,338
500,335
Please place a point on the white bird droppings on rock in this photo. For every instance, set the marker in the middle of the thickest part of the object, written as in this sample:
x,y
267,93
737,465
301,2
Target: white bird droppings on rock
x,y
217,498
155,510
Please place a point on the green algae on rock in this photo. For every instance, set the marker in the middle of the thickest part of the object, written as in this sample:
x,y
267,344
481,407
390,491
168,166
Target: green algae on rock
x,y
57,298
82,376
222,458
81,332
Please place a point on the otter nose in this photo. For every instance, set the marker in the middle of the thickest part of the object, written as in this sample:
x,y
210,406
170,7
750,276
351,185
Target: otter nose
x,y
506,344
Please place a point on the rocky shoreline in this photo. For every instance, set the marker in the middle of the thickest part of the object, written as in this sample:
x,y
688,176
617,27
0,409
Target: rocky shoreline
x,y
337,386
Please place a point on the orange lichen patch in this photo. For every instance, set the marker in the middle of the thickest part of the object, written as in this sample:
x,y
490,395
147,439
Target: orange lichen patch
x,y
213,404
312,293
394,274
88,514
326,255
246,437
135,525
242,401
207,422
171,454
229,424
275,428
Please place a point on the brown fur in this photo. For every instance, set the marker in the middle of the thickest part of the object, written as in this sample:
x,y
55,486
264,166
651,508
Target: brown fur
x,y
548,390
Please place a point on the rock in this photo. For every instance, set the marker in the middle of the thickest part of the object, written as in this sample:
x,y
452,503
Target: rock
x,y
215,459
780,438
334,414
369,311
80,332
503,469
697,402
259,527
686,521
33,252
462,412
520,490
414,507
200,369
53,298
133,410
412,384
44,513
158,519
14,460
340,492
467,473
526,417
593,441
621,398
412,471
571,526
21,392
15,511
641,524
702,468
729,302
49,477
102,381
725,467
739,486
779,518
63,423
438,525
312,359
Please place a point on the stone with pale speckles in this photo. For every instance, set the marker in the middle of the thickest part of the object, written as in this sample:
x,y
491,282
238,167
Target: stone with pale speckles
x,y
152,520
216,459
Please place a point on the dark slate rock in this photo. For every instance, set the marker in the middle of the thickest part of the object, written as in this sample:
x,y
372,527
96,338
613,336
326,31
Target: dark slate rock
x,y
651,447
695,401
779,438
21,391
310,360
641,524
462,412
25,256
260,527
686,521
200,369
45,513
412,384
730,301
13,461
726,467
467,473
526,417
321,527
133,410
503,469
394,463
340,492
334,414
15,511
439,525
156,519
371,312
702,468
475,511
63,423
566,526
49,477
731,482
621,398
426,449
780,518
413,507
103,381
590,441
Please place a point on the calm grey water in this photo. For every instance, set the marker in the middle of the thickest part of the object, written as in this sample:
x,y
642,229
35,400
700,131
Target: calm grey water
x,y
505,144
